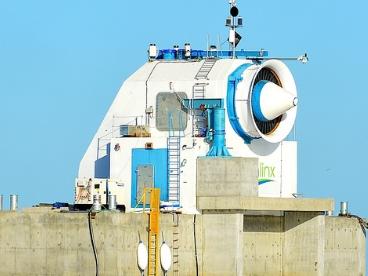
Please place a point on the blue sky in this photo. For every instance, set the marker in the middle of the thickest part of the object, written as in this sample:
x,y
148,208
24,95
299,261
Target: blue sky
x,y
62,62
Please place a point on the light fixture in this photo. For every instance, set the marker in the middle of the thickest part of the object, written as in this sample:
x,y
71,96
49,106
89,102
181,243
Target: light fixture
x,y
303,58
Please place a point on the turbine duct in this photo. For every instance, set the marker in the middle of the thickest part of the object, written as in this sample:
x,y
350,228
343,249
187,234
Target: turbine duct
x,y
262,101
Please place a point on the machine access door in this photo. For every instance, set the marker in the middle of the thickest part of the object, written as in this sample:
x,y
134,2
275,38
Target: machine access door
x,y
149,169
144,180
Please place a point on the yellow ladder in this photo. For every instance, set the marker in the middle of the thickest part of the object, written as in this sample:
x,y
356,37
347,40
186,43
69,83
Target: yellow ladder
x,y
154,230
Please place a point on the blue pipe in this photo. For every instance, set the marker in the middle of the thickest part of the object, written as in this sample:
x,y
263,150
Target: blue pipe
x,y
218,146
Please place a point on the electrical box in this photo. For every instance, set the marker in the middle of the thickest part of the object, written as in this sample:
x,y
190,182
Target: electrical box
x,y
86,188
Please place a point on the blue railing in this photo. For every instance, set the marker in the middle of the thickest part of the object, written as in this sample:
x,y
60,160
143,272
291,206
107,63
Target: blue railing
x,y
172,54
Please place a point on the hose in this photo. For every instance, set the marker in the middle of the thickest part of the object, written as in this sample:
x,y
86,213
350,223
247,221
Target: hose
x,y
195,244
93,240
363,223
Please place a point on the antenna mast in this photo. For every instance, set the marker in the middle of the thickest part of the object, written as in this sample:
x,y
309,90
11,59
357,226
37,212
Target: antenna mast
x,y
233,22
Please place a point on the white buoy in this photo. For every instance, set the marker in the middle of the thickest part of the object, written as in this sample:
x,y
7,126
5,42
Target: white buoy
x,y
165,256
142,256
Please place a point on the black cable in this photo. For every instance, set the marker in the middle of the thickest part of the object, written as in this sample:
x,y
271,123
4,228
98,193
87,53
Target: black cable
x,y
195,244
362,222
149,76
92,240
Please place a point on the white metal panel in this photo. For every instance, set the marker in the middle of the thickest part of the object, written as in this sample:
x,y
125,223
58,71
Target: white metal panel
x,y
289,168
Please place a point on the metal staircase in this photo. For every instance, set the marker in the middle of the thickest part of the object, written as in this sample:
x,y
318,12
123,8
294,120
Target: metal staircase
x,y
205,69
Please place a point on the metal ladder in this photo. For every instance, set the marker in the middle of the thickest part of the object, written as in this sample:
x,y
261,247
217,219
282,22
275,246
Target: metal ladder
x,y
152,257
173,148
175,245
205,69
199,92
153,231
173,152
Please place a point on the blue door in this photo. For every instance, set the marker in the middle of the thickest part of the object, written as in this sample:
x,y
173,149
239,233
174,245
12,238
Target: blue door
x,y
149,169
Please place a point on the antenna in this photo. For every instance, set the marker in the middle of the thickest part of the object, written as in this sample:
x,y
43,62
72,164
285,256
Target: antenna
x,y
233,22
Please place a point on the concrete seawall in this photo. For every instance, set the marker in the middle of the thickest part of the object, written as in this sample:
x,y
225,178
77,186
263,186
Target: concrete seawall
x,y
40,241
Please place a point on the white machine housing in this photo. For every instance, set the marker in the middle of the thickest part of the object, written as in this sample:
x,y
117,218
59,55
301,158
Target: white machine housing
x,y
113,156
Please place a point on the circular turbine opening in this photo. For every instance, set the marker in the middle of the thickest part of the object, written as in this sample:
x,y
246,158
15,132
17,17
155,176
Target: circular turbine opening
x,y
268,75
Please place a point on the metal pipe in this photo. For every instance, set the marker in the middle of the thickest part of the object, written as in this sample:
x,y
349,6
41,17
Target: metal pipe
x,y
218,146
344,208
96,206
1,202
303,58
112,202
13,202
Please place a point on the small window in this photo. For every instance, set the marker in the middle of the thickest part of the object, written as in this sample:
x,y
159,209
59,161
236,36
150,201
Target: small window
x,y
170,113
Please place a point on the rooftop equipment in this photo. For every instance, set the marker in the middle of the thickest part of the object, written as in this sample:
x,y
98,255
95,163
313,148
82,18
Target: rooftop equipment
x,y
152,51
188,50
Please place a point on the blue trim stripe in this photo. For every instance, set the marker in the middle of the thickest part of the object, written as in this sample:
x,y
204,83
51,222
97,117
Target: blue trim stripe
x,y
233,80
264,181
256,100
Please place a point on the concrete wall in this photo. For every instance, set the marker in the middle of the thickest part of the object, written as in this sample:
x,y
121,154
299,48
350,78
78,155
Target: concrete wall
x,y
344,245
224,177
44,242
303,243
